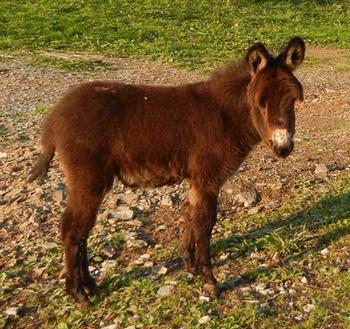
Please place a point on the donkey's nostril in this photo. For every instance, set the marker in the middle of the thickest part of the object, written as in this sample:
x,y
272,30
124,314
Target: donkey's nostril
x,y
284,151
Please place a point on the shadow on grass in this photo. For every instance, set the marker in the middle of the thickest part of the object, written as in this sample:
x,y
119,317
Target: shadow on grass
x,y
304,225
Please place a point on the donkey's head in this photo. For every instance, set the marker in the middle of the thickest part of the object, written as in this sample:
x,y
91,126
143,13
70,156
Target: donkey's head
x,y
272,93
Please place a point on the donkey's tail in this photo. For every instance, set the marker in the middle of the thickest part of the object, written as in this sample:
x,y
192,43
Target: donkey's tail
x,y
41,166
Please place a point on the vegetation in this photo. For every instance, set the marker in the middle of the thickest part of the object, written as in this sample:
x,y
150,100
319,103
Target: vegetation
x,y
194,34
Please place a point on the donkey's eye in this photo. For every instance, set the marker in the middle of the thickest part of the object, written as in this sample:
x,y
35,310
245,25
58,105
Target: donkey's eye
x,y
289,109
262,102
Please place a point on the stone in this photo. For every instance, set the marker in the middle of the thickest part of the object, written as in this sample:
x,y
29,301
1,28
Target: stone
x,y
321,170
248,198
3,155
324,252
163,270
308,308
136,244
254,210
166,201
111,326
122,213
160,228
12,311
165,290
204,319
204,299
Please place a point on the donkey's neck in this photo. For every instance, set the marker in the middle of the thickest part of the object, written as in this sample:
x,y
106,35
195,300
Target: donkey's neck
x,y
229,89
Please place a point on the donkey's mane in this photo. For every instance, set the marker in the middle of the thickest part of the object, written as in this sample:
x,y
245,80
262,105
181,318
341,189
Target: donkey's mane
x,y
231,81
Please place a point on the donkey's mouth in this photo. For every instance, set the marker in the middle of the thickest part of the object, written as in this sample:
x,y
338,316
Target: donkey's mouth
x,y
284,151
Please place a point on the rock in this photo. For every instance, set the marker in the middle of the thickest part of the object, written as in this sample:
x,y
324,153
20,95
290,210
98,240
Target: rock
x,y
148,264
165,290
260,287
12,311
166,201
58,195
321,170
254,210
136,244
122,213
308,308
248,198
204,319
163,270
3,155
204,299
304,280
111,326
51,245
324,252
160,228
38,272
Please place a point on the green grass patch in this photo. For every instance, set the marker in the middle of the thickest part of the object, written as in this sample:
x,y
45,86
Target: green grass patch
x,y
192,34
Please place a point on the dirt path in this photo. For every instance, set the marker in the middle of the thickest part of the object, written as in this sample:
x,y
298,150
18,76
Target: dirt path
x,y
29,214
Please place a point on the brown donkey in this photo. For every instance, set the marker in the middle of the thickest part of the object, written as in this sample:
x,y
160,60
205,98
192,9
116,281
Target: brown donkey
x,y
152,136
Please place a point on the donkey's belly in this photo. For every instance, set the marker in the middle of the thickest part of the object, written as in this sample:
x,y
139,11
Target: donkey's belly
x,y
148,177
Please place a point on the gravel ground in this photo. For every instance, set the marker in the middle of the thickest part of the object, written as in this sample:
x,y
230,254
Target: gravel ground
x,y
29,222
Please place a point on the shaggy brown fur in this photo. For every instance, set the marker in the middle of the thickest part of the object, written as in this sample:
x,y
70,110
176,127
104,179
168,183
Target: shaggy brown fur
x,y
151,136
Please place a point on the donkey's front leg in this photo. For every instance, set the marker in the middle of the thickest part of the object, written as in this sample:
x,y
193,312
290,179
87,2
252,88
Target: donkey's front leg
x,y
203,207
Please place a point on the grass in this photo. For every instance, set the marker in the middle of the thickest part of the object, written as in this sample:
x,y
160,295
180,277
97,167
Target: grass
x,y
194,34
300,249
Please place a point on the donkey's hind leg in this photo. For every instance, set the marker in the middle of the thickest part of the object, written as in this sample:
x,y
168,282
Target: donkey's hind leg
x,y
85,194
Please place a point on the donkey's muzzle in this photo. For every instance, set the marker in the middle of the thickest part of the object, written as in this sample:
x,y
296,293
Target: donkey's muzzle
x,y
282,142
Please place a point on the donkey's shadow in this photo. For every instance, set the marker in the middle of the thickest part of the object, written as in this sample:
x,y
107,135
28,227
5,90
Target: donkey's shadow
x,y
329,210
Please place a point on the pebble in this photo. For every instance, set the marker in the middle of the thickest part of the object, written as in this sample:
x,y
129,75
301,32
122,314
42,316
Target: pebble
x,y
304,280
254,210
248,198
308,308
324,252
3,155
204,319
111,326
166,201
12,311
165,290
160,228
122,213
321,170
163,270
205,299
136,244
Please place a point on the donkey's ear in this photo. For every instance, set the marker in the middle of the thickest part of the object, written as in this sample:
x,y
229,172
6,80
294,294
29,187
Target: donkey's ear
x,y
257,58
293,55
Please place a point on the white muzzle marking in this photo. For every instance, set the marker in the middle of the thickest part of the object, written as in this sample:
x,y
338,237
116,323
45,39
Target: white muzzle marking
x,y
281,138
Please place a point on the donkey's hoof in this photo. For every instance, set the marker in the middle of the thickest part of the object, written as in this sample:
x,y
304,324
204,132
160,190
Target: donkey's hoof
x,y
82,299
211,288
90,287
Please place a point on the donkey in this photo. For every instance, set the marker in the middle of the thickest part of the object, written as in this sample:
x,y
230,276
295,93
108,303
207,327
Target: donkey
x,y
149,136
